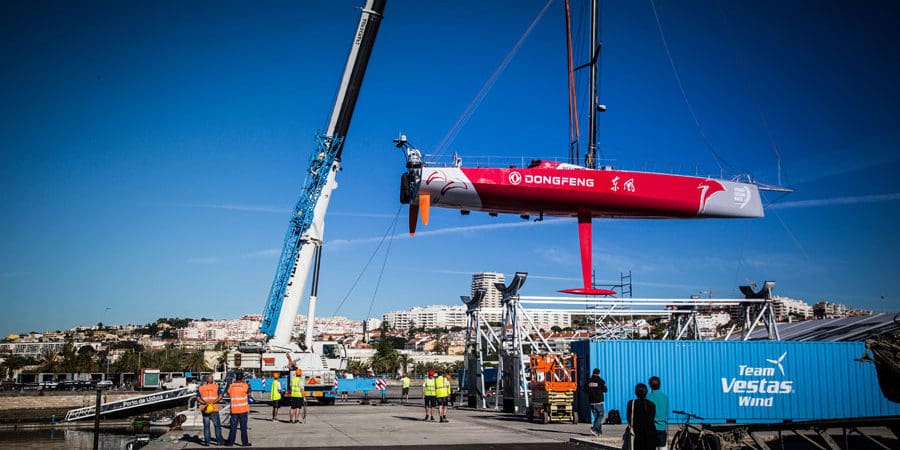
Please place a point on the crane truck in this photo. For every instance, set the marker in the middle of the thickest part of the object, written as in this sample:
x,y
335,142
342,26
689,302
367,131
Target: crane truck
x,y
301,252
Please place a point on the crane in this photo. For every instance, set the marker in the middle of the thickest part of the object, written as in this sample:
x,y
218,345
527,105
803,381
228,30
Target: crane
x,y
302,248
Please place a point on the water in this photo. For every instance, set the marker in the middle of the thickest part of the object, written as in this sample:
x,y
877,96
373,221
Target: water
x,y
65,439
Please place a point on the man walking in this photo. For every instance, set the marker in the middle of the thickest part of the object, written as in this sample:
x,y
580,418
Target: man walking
x,y
661,419
442,392
296,396
240,407
275,395
404,395
595,388
429,391
208,395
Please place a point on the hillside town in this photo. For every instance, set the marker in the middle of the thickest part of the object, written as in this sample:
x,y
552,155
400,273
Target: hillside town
x,y
419,337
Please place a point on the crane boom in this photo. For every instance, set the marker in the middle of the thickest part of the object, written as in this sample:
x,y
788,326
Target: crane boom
x,y
301,250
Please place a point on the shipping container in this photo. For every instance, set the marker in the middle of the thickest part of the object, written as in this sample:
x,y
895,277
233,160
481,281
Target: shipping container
x,y
739,381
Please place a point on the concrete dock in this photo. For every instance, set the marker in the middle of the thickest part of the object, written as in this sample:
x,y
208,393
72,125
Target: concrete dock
x,y
353,425
393,424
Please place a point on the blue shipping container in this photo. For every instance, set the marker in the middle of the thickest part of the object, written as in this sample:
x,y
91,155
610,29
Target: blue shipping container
x,y
741,381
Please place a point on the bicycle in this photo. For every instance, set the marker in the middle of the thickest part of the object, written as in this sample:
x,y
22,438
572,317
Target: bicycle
x,y
693,437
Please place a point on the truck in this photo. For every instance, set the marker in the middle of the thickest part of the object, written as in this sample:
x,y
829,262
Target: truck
x,y
301,251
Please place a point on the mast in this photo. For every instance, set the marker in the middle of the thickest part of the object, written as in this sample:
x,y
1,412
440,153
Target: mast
x,y
590,158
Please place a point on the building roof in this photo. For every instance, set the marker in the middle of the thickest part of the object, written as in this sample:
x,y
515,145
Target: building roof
x,y
857,328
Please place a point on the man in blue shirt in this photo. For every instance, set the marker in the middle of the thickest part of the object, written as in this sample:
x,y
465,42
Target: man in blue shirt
x,y
662,412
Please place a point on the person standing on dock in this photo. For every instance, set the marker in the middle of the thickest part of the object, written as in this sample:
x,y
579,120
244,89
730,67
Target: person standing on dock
x,y
296,396
429,391
641,413
275,395
595,388
442,392
662,409
208,396
240,408
405,393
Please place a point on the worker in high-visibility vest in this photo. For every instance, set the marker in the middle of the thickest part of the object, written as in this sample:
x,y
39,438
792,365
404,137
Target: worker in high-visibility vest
x,y
404,395
296,395
442,392
207,397
429,391
275,394
240,407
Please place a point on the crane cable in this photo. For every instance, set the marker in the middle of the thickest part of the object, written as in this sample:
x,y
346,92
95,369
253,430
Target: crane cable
x,y
387,252
441,148
719,160
387,233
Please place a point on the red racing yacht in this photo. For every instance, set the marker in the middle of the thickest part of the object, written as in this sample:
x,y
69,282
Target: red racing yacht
x,y
547,188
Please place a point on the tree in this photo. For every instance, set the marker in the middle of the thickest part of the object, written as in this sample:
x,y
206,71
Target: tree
x,y
354,366
196,362
385,359
68,363
49,360
86,360
12,364
404,360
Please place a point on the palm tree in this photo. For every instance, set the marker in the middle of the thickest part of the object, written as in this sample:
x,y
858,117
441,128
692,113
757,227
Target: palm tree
x,y
49,360
196,362
404,360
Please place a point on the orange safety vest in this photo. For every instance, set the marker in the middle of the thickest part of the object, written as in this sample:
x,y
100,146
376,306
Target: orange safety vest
x,y
238,393
209,393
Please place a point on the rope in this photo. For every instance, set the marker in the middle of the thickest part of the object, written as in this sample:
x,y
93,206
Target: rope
x,y
387,232
473,105
706,141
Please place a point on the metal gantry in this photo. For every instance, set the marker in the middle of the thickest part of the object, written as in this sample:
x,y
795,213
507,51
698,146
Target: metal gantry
x,y
519,335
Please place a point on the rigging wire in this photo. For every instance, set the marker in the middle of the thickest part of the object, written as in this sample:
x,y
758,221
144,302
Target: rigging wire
x,y
704,137
802,249
742,64
441,148
574,127
387,233
387,252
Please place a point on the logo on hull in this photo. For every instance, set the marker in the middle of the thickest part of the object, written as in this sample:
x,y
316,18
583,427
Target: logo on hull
x,y
449,184
707,189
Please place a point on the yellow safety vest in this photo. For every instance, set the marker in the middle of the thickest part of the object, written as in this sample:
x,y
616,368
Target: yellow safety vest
x,y
296,387
275,393
405,382
429,387
442,387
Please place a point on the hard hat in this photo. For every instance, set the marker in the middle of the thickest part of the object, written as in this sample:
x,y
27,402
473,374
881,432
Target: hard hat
x,y
430,373
275,375
209,409
299,372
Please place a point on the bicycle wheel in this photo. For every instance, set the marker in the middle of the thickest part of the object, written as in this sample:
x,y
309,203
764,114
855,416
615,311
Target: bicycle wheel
x,y
710,442
683,440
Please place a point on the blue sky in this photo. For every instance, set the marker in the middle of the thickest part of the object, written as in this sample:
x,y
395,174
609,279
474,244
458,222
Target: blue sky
x,y
151,151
